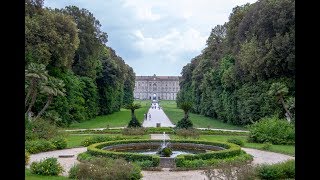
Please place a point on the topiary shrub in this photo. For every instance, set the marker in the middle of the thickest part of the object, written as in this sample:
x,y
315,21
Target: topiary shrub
x,y
166,152
59,142
236,141
134,122
27,157
47,167
184,123
103,168
273,130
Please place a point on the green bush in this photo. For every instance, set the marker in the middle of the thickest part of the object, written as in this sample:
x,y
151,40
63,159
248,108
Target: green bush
x,y
41,129
48,167
134,122
85,156
40,145
73,171
184,123
59,142
273,130
166,152
236,141
155,130
284,170
191,132
27,157
103,168
134,131
266,146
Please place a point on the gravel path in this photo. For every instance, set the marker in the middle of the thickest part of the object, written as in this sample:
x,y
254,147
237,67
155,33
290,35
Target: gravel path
x,y
157,116
259,158
66,163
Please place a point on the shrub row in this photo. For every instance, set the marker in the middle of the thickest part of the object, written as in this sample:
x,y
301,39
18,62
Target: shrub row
x,y
284,170
157,130
229,151
43,145
98,138
200,163
103,168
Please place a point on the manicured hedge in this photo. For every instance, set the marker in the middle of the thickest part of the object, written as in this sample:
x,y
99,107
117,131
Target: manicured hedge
x,y
229,151
160,130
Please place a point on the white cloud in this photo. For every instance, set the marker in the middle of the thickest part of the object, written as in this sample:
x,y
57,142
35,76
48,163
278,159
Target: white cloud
x,y
150,34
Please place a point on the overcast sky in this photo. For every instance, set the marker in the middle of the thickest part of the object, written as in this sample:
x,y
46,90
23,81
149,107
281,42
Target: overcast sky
x,y
156,36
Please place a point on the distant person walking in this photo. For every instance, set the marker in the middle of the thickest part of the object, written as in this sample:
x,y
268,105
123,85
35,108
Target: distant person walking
x,y
149,116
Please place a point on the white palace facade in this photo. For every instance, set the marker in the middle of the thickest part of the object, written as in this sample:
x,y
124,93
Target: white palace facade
x,y
164,87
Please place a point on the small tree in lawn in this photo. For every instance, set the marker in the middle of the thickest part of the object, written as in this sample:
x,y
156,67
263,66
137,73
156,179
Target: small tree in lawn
x,y
185,122
279,90
133,122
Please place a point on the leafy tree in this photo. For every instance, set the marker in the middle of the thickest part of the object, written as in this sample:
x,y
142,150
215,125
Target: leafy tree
x,y
35,73
279,90
54,87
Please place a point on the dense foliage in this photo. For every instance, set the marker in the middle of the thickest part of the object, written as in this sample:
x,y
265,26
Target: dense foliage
x,y
247,69
284,170
71,75
103,168
48,167
272,130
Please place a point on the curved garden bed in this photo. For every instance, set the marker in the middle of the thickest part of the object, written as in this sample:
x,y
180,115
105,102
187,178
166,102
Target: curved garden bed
x,y
226,150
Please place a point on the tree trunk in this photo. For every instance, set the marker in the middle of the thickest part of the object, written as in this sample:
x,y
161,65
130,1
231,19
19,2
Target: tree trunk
x,y
45,106
132,113
284,106
33,100
31,90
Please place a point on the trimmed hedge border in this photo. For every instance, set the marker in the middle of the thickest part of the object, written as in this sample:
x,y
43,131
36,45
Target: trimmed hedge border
x,y
154,130
229,151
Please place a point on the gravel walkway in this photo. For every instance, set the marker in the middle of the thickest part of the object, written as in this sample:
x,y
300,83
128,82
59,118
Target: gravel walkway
x,y
66,163
259,157
157,116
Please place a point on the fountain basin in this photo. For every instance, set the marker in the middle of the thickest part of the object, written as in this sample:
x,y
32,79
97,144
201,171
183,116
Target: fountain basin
x,y
126,149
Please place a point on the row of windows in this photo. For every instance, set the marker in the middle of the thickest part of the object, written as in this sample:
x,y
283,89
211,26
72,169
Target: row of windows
x,y
155,88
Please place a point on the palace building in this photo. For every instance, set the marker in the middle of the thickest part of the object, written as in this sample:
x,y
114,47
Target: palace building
x,y
161,87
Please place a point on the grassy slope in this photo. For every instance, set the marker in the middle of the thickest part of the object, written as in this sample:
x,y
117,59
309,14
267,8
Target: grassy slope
x,y
117,119
199,121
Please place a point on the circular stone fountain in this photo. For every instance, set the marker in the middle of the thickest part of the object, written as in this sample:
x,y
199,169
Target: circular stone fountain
x,y
142,149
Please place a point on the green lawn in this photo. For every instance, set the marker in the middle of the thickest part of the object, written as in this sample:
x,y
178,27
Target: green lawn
x,y
29,176
117,119
199,121
74,140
